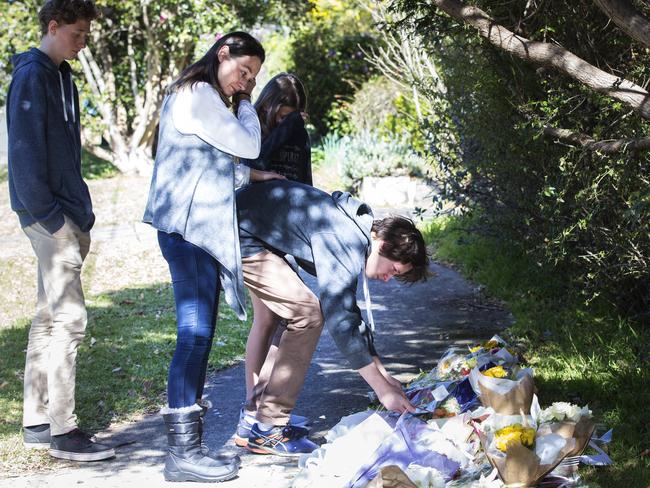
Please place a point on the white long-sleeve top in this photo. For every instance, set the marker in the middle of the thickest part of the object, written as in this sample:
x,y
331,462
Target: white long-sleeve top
x,y
200,111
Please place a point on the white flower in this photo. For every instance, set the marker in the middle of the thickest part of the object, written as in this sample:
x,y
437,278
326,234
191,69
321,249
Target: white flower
x,y
561,411
425,477
490,481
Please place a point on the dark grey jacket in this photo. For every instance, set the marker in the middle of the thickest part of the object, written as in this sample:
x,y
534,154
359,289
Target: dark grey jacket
x,y
45,179
329,235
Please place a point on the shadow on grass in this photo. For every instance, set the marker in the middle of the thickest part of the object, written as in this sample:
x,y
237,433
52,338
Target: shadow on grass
x,y
122,363
618,394
582,355
95,168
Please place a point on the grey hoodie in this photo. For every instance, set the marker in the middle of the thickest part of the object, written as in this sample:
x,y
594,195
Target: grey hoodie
x,y
45,179
329,235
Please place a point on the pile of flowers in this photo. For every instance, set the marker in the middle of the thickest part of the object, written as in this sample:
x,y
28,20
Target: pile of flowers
x,y
478,424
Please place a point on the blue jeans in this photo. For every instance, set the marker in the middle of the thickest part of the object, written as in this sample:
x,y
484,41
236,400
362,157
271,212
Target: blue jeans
x,y
195,279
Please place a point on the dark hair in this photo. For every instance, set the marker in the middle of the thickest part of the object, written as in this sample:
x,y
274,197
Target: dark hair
x,y
206,68
403,242
284,89
66,12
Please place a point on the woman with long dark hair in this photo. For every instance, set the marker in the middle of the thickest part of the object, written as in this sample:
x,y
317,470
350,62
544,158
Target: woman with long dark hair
x,y
191,204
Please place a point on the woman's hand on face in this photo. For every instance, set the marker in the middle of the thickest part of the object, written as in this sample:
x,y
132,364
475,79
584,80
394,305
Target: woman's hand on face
x,y
250,84
244,94
258,175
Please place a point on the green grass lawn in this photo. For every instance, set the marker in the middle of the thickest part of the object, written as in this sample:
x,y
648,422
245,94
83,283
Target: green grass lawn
x,y
121,368
95,168
580,354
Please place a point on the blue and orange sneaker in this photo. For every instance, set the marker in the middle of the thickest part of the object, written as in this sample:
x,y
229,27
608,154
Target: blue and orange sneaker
x,y
290,441
247,420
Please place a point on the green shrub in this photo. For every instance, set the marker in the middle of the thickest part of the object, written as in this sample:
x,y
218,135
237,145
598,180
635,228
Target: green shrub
x,y
329,152
327,55
371,106
368,154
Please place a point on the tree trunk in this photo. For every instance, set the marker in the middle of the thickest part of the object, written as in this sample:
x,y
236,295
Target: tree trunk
x,y
629,19
547,54
136,161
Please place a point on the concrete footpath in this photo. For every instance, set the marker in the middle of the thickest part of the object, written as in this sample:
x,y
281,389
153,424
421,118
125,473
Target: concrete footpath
x,y
415,324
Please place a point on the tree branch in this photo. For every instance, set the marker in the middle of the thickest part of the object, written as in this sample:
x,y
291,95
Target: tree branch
x,y
589,143
628,18
547,54
133,68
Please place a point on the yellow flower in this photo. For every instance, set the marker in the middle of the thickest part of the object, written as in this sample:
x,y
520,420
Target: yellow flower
x,y
491,344
496,372
514,433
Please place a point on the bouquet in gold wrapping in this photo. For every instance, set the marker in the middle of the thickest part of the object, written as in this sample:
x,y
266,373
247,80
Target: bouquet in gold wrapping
x,y
518,451
506,390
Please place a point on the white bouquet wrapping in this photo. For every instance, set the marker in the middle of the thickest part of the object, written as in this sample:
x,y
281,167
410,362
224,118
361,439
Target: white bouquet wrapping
x,y
504,395
567,420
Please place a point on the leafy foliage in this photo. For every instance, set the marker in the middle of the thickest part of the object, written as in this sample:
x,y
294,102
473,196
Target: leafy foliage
x,y
583,214
19,33
328,57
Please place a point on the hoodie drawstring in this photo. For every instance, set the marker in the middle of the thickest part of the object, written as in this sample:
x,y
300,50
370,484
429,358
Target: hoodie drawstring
x,y
366,295
74,118
65,109
368,330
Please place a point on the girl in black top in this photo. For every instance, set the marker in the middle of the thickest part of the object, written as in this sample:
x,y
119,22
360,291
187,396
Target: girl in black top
x,y
281,108
286,149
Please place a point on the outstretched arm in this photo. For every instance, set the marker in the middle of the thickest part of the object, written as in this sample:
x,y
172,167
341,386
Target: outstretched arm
x,y
392,397
337,266
386,374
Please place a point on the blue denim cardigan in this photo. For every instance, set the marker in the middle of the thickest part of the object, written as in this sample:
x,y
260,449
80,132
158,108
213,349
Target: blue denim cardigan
x,y
192,194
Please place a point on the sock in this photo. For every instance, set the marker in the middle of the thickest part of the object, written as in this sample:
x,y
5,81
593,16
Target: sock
x,y
264,427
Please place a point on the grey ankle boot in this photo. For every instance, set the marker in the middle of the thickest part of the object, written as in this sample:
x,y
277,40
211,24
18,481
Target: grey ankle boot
x,y
185,459
220,455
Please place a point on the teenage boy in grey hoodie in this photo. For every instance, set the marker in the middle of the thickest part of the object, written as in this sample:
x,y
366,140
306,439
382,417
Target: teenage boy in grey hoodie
x,y
334,238
53,205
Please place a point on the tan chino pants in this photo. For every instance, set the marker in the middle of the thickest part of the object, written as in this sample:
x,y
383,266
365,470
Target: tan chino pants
x,y
273,281
57,328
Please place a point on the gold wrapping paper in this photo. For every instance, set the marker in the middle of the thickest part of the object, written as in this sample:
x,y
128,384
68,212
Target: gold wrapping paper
x,y
391,477
513,402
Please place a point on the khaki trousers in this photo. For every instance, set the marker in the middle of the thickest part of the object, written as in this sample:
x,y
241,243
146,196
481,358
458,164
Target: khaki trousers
x,y
57,328
272,280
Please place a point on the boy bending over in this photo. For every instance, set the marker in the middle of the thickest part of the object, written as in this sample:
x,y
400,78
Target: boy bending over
x,y
334,238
